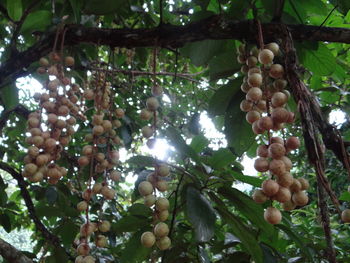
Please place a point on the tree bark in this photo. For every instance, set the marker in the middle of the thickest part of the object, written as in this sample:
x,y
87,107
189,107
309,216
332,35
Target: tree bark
x,y
12,254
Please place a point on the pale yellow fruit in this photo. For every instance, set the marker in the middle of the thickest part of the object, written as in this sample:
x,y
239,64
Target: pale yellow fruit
x,y
148,239
145,188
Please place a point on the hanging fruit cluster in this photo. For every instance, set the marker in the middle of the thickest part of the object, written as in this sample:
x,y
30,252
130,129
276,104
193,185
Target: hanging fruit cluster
x,y
50,128
101,156
155,180
265,105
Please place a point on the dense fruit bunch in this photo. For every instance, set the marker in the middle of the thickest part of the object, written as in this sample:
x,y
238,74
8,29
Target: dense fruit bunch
x,y
265,104
101,156
50,128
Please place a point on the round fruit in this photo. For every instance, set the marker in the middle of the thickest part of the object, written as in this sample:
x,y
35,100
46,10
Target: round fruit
x,y
276,151
292,143
163,170
161,230
119,113
97,130
30,168
273,47
107,192
265,123
87,194
280,115
164,243
304,183
83,249
157,90
345,216
277,167
89,259
162,204
261,165
163,215
300,198
285,180
272,215
255,80
254,70
245,87
278,99
148,239
296,186
246,105
145,188
152,104
104,226
79,259
256,129
87,229
283,195
277,140
259,196
107,125
149,200
270,187
145,114
252,116
251,61
44,62
276,71
82,206
261,105
101,241
287,162
147,131
266,56
69,61
262,151
162,185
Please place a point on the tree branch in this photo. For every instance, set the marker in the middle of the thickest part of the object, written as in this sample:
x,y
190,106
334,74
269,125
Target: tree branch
x,y
51,238
169,36
307,106
12,254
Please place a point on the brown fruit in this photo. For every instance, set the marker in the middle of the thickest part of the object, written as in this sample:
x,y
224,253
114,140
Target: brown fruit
x,y
163,215
246,105
277,140
272,215
300,198
277,167
276,151
292,143
69,61
283,195
83,249
255,80
276,71
270,187
107,125
279,115
157,90
30,168
252,116
261,164
265,123
163,170
98,130
82,206
304,183
101,241
162,185
266,56
345,216
119,113
285,180
251,61
163,243
256,129
104,226
145,188
148,239
259,196
262,151
161,230
278,99
145,115
274,47
87,229
287,162
261,105
149,200
296,186
87,194
147,131
152,104
254,70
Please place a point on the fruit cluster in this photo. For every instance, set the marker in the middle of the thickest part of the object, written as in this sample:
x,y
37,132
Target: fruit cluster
x,y
265,104
101,156
50,128
148,189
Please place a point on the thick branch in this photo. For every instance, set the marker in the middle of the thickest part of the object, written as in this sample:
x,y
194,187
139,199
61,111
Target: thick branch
x,y
307,104
215,27
12,254
54,240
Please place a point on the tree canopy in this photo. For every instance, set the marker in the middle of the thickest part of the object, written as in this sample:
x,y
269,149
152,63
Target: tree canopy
x,y
132,148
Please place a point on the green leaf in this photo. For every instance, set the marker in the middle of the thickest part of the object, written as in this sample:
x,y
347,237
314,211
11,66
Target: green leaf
x,y
9,96
140,210
5,221
134,252
296,239
145,161
320,61
221,158
36,21
221,99
201,52
239,229
345,196
199,143
51,194
130,223
343,5
223,65
201,214
237,8
254,181
58,256
179,143
238,131
14,9
253,211
68,231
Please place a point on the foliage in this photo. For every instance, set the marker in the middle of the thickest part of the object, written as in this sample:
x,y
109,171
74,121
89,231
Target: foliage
x,y
212,220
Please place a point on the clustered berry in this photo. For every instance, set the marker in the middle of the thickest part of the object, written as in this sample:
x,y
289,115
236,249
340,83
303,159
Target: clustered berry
x,y
265,105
